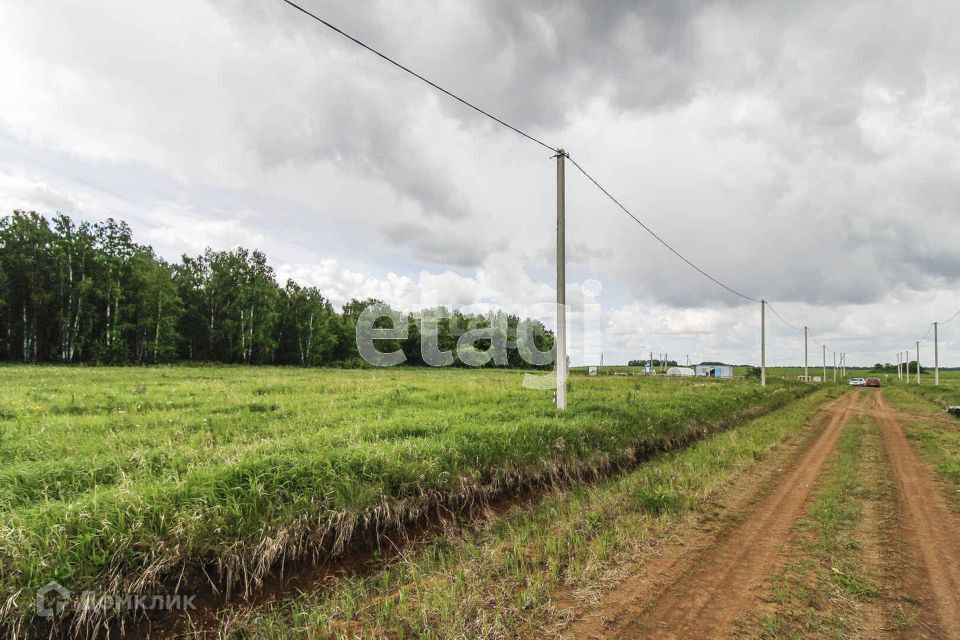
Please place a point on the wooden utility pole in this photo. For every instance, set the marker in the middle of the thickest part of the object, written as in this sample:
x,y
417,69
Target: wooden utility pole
x,y
561,343
936,356
918,362
763,343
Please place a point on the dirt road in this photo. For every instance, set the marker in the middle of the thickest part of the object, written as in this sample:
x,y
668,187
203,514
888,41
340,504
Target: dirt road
x,y
698,592
929,526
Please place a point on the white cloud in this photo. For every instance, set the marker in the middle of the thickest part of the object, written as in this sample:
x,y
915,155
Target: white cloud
x,y
807,152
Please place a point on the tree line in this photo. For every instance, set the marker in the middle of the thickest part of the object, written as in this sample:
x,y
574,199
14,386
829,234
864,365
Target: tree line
x,y
656,362
87,293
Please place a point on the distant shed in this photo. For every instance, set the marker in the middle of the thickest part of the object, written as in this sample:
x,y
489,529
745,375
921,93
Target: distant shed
x,y
714,371
680,372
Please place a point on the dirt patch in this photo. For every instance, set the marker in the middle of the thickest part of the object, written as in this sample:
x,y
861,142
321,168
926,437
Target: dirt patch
x,y
929,527
875,532
705,589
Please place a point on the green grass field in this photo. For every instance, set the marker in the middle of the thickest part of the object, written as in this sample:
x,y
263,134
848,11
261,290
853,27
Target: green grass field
x,y
128,480
502,580
947,378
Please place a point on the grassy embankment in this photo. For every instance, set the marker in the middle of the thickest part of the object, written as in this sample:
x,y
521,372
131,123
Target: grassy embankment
x,y
503,580
125,480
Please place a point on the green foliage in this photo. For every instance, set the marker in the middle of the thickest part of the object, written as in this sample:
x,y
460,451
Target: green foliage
x,y
86,293
515,565
112,476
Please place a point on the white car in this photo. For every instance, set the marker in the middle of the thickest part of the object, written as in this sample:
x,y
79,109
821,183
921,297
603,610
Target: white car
x,y
857,382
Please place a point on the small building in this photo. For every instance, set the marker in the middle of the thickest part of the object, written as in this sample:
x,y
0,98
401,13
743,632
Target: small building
x,y
680,372
714,371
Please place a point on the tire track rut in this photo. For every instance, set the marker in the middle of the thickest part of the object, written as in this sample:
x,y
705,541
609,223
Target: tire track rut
x,y
929,525
711,590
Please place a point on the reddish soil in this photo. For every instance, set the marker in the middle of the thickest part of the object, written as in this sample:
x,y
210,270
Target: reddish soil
x,y
711,588
703,584
930,528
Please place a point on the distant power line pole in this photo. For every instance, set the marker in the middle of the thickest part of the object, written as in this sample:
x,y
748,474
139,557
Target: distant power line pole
x,y
763,342
936,356
806,353
824,378
906,359
834,366
561,284
918,362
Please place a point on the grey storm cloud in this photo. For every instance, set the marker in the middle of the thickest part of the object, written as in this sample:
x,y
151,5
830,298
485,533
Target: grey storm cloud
x,y
805,152
428,244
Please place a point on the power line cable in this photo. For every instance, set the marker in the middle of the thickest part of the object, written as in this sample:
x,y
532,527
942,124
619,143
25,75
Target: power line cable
x,y
417,75
657,237
489,115
812,337
770,306
951,318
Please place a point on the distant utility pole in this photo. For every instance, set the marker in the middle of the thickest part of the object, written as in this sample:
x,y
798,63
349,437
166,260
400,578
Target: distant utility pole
x,y
834,366
824,378
906,359
936,356
561,284
763,343
899,370
918,362
650,362
665,356
806,353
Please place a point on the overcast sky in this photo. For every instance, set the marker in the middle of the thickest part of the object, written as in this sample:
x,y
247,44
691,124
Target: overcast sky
x,y
808,153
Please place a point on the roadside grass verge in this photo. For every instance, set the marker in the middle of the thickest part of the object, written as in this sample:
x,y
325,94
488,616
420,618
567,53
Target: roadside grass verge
x,y
515,576
936,433
821,591
157,480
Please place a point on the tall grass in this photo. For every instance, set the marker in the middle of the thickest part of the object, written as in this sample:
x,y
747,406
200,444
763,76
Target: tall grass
x,y
520,575
131,480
